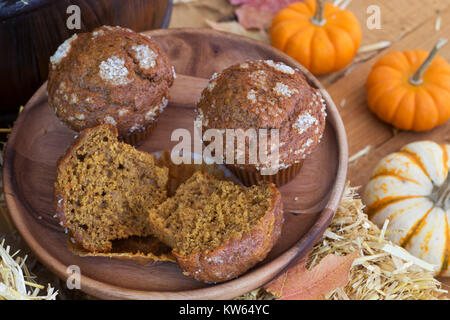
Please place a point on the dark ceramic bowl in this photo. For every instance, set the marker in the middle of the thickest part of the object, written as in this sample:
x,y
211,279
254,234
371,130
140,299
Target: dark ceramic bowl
x,y
31,30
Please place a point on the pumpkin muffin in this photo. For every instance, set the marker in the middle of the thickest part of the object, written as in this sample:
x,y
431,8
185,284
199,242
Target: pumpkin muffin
x,y
218,229
103,188
265,95
111,75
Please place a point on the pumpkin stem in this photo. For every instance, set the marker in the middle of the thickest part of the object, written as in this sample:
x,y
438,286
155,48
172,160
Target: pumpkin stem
x,y
443,195
318,19
416,78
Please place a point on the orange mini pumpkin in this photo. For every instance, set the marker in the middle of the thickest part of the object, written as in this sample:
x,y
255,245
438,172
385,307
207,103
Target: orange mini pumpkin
x,y
322,38
410,89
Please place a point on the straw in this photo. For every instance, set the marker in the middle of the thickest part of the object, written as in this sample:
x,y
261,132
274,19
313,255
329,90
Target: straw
x,y
16,282
383,270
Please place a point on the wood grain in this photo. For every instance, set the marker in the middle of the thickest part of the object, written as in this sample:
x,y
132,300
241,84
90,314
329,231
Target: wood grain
x,y
409,25
39,139
398,19
362,126
186,91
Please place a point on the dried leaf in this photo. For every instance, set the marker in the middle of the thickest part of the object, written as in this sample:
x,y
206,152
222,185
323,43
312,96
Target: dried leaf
x,y
238,2
299,283
182,1
192,14
235,27
251,17
258,14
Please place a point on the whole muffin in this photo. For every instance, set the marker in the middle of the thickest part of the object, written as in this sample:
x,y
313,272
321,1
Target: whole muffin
x,y
265,95
112,75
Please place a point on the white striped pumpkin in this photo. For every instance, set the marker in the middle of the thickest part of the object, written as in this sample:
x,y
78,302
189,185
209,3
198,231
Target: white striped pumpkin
x,y
411,188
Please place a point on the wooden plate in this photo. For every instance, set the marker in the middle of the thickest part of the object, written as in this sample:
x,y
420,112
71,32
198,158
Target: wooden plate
x,y
38,139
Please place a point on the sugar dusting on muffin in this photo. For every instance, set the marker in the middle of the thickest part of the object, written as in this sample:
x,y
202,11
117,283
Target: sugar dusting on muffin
x,y
212,81
283,90
159,108
113,70
145,56
62,51
279,66
304,121
110,120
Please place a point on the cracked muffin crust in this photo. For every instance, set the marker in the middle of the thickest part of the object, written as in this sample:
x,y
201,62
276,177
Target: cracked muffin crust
x,y
111,75
271,95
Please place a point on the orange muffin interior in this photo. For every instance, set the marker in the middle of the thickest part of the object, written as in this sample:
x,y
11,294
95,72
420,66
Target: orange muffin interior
x,y
104,187
206,212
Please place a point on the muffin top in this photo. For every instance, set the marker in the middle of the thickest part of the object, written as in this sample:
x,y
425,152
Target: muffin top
x,y
111,75
266,94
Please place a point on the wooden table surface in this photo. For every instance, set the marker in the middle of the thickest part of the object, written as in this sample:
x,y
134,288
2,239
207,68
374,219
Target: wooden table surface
x,y
407,24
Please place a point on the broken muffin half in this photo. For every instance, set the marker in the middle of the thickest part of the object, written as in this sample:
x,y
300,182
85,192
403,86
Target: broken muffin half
x,y
218,229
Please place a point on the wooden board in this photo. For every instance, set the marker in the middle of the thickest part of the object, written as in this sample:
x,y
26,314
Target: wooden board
x,y
39,139
398,19
408,25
